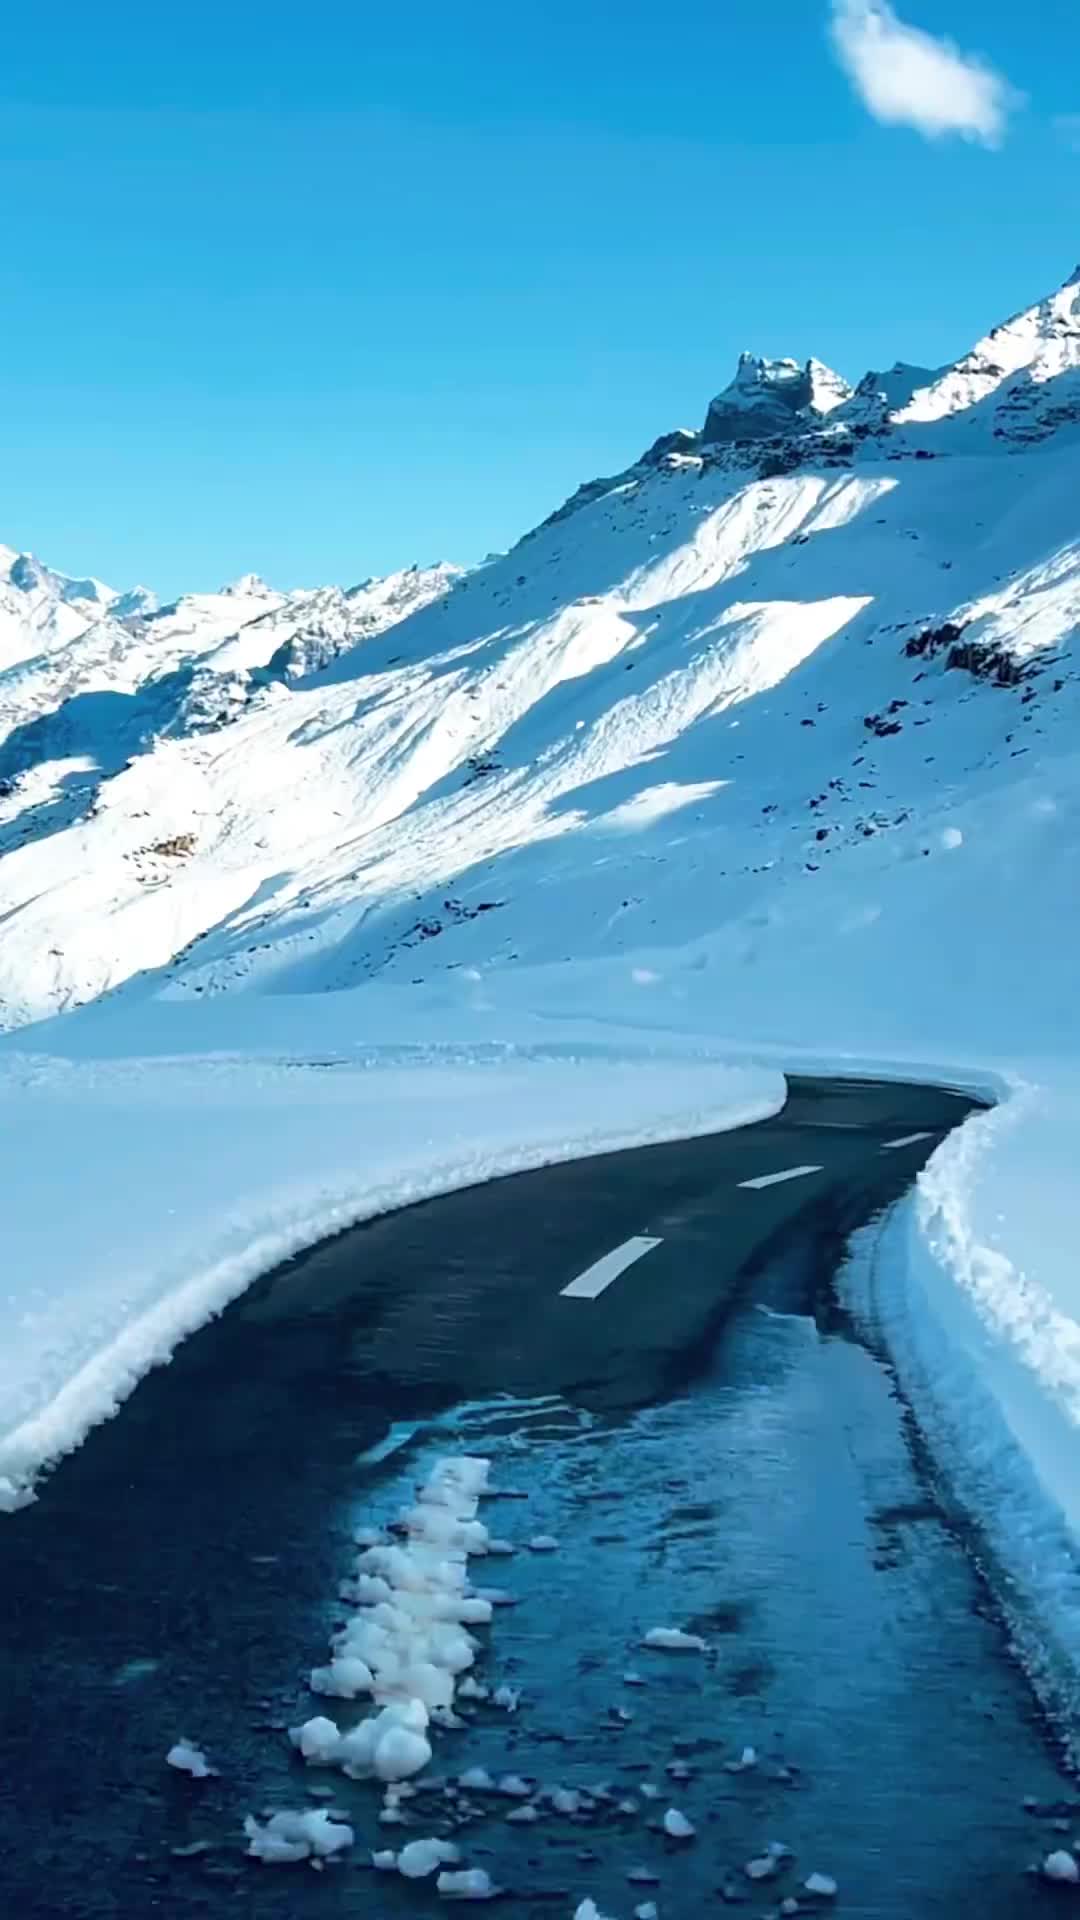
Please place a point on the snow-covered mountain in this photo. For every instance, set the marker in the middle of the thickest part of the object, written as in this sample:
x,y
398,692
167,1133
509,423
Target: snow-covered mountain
x,y
766,744
777,649
41,610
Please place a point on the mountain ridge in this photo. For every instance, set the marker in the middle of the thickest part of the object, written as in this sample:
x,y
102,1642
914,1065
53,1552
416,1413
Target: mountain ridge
x,y
291,792
749,426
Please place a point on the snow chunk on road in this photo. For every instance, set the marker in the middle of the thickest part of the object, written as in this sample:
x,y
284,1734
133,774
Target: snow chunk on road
x,y
318,1740
391,1746
471,1884
476,1780
289,1836
471,1689
565,1800
343,1679
673,1640
406,1644
188,1759
515,1786
424,1857
1060,1866
677,1826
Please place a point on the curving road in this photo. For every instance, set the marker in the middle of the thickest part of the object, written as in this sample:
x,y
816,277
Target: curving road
x,y
649,1346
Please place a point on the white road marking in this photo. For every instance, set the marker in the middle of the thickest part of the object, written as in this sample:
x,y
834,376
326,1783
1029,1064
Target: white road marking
x,y
774,1179
908,1140
590,1284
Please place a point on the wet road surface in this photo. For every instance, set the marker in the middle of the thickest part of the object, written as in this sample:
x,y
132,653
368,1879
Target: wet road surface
x,y
711,1446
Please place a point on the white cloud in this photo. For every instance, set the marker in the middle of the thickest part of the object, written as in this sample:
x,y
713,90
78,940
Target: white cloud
x,y
907,78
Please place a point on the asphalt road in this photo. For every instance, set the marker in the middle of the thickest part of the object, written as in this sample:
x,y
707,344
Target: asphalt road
x,y
700,1429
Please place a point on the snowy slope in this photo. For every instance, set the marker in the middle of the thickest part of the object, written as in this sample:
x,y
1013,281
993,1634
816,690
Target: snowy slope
x,y
330,795
73,716
590,714
766,745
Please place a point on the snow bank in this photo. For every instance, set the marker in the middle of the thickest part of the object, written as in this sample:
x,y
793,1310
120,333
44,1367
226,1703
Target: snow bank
x,y
144,1192
974,1285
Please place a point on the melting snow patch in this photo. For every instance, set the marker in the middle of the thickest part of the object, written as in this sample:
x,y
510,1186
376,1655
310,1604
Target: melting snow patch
x,y
471,1689
134,1670
476,1780
296,1836
673,1640
515,1786
543,1543
565,1800
471,1884
1060,1866
424,1857
188,1759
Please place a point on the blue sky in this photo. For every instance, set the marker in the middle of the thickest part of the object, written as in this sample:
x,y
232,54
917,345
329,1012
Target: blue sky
x,y
323,290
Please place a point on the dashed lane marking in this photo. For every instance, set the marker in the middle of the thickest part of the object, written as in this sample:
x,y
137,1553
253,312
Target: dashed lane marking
x,y
774,1179
591,1284
907,1140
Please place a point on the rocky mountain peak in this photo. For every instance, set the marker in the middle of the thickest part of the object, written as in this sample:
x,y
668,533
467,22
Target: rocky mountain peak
x,y
767,397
